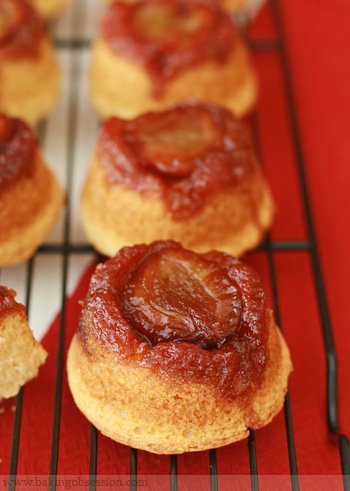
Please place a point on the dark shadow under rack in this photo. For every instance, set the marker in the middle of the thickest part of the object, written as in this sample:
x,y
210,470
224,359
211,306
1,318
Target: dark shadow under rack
x,y
309,246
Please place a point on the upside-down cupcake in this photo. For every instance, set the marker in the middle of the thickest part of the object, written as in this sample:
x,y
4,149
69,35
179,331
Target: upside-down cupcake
x,y
153,54
49,9
176,351
188,174
29,73
20,354
30,196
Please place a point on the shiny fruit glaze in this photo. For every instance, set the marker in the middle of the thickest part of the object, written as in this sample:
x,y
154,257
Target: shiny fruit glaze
x,y
161,300
165,23
200,318
185,154
170,144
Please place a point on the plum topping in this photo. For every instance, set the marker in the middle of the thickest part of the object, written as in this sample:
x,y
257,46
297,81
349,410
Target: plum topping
x,y
169,143
177,295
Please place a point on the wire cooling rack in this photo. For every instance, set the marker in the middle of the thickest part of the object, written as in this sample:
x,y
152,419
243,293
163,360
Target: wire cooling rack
x,y
67,250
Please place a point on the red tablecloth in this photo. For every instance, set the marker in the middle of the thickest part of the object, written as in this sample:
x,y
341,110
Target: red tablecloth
x,y
318,39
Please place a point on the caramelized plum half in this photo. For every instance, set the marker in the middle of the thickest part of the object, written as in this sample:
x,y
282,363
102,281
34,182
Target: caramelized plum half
x,y
169,142
176,295
168,22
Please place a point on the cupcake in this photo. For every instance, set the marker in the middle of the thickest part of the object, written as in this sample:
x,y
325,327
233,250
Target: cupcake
x,y
153,54
188,174
29,73
177,351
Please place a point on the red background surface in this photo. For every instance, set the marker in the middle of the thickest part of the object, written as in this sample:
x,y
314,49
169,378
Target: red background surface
x,y
318,42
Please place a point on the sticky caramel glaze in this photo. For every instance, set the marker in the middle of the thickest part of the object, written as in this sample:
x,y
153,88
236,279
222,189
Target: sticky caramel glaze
x,y
233,369
21,30
161,300
186,154
17,150
8,304
166,39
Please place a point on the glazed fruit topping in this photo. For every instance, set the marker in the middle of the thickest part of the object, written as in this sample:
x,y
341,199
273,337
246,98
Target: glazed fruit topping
x,y
186,155
177,295
166,22
168,143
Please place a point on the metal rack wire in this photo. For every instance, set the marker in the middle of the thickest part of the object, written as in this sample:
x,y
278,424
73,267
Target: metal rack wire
x,y
67,248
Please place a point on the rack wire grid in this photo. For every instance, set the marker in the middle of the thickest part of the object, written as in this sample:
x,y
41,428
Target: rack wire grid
x,y
67,246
